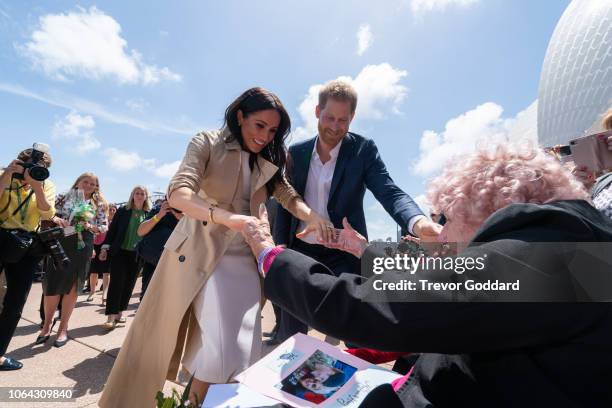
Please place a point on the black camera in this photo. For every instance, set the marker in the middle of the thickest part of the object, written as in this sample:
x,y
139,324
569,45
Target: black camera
x,y
49,238
38,171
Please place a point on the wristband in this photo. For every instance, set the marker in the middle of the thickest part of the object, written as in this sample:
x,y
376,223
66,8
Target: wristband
x,y
267,257
261,257
155,218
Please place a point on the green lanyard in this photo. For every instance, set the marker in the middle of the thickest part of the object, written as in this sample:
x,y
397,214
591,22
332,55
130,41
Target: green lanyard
x,y
22,206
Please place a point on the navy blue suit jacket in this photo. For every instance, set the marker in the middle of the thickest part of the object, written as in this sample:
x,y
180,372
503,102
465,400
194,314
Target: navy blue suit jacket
x,y
358,167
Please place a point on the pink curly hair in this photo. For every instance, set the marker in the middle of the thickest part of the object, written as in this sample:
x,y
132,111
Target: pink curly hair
x,y
472,189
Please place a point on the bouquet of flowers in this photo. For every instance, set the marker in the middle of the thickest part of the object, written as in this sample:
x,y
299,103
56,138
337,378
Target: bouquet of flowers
x,y
81,213
175,400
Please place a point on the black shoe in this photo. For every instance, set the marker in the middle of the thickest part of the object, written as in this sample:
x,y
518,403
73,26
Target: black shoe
x,y
271,333
272,342
42,339
60,343
10,364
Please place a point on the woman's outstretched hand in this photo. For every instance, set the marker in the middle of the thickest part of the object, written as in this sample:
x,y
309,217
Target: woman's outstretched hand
x,y
320,226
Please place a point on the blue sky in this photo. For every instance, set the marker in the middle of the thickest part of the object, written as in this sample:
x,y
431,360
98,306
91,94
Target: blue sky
x,y
118,88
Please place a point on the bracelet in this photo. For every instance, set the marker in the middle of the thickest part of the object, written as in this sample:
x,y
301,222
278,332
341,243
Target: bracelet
x,y
211,210
155,218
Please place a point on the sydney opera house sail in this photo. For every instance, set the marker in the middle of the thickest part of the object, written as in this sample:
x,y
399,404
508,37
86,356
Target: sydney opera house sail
x,y
576,80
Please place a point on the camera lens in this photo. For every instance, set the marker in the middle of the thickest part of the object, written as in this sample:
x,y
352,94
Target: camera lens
x,y
39,173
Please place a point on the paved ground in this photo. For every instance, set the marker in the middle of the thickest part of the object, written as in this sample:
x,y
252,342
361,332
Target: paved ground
x,y
84,363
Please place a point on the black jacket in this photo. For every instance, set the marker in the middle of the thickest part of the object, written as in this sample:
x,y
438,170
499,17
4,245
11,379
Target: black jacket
x,y
117,229
475,354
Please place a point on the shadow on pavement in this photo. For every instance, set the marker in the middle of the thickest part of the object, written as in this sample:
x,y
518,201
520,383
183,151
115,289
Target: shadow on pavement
x,y
90,375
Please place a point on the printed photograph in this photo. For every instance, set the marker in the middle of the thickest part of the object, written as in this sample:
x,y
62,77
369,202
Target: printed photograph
x,y
318,378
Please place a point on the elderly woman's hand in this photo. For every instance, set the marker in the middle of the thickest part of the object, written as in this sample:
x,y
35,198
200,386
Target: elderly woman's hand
x,y
348,240
256,232
584,175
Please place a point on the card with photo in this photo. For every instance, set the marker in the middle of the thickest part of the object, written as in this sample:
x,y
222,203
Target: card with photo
x,y
307,372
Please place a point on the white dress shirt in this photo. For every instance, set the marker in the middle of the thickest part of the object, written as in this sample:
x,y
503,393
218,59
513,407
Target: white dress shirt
x,y
318,184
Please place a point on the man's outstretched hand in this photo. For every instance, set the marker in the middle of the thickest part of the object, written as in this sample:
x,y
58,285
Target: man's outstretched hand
x,y
256,232
427,230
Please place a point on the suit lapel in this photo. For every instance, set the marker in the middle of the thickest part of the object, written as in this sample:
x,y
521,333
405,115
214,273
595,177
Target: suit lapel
x,y
345,153
301,165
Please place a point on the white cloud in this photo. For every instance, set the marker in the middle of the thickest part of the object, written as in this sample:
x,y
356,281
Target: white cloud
x,y
364,38
167,170
136,105
380,225
98,111
379,90
88,43
419,7
123,161
421,201
381,228
5,14
77,130
525,124
478,127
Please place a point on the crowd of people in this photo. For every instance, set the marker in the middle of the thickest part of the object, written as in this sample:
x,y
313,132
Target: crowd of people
x,y
208,252
96,236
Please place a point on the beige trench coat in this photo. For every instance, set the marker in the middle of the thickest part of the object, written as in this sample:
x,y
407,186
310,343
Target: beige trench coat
x,y
153,347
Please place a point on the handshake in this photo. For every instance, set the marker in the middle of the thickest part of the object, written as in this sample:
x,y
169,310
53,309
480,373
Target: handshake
x,y
256,232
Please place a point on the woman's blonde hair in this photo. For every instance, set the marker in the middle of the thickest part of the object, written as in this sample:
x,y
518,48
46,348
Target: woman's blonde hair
x,y
607,120
147,204
96,197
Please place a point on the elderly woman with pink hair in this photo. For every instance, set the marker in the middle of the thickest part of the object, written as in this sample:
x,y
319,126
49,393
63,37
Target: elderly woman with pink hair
x,y
523,213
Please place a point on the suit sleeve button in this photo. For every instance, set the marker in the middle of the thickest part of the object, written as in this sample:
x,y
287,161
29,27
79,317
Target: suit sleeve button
x,y
182,258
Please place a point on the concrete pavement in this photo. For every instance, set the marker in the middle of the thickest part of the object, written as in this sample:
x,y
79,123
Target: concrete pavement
x,y
84,363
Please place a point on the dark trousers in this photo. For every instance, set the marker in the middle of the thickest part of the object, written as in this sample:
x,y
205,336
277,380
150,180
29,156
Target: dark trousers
x,y
147,274
338,261
123,275
19,277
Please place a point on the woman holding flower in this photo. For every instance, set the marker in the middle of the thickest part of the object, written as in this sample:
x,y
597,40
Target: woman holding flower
x,y
82,213
120,243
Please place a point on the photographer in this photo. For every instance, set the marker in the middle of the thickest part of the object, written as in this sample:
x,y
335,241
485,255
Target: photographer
x,y
155,231
26,198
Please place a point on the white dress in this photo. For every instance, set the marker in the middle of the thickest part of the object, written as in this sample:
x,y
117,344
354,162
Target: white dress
x,y
228,308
